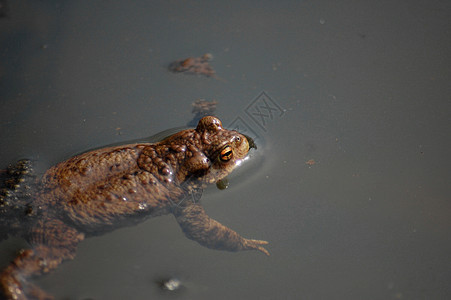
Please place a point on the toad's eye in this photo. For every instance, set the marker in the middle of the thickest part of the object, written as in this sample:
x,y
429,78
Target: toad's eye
x,y
226,154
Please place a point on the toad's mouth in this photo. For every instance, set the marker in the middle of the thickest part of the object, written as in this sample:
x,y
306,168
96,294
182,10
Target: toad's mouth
x,y
251,142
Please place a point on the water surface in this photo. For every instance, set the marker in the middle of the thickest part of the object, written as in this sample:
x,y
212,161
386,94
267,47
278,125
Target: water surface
x,y
364,93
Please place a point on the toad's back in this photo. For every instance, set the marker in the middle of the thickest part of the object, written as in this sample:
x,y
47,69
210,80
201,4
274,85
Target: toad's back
x,y
100,188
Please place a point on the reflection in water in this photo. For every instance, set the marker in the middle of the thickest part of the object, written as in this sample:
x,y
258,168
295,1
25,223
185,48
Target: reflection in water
x,y
116,186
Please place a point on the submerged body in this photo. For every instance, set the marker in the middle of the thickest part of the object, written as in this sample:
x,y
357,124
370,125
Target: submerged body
x,y
111,187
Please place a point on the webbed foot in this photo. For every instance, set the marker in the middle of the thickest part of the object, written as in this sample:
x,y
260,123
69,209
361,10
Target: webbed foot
x,y
249,244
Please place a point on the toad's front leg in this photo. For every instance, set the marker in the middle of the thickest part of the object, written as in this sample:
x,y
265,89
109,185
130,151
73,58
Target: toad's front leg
x,y
52,242
210,233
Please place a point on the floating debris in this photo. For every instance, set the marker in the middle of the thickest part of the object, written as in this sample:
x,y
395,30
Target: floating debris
x,y
171,284
310,162
194,65
202,108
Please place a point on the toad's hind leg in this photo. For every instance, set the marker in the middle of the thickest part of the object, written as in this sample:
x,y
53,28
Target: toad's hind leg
x,y
52,242
16,184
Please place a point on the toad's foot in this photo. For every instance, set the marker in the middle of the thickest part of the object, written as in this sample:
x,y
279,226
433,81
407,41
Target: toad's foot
x,y
210,233
16,210
255,245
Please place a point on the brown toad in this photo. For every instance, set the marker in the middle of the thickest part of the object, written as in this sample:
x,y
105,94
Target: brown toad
x,y
116,186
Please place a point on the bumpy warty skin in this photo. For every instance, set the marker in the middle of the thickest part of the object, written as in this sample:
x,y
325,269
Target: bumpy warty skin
x,y
117,186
